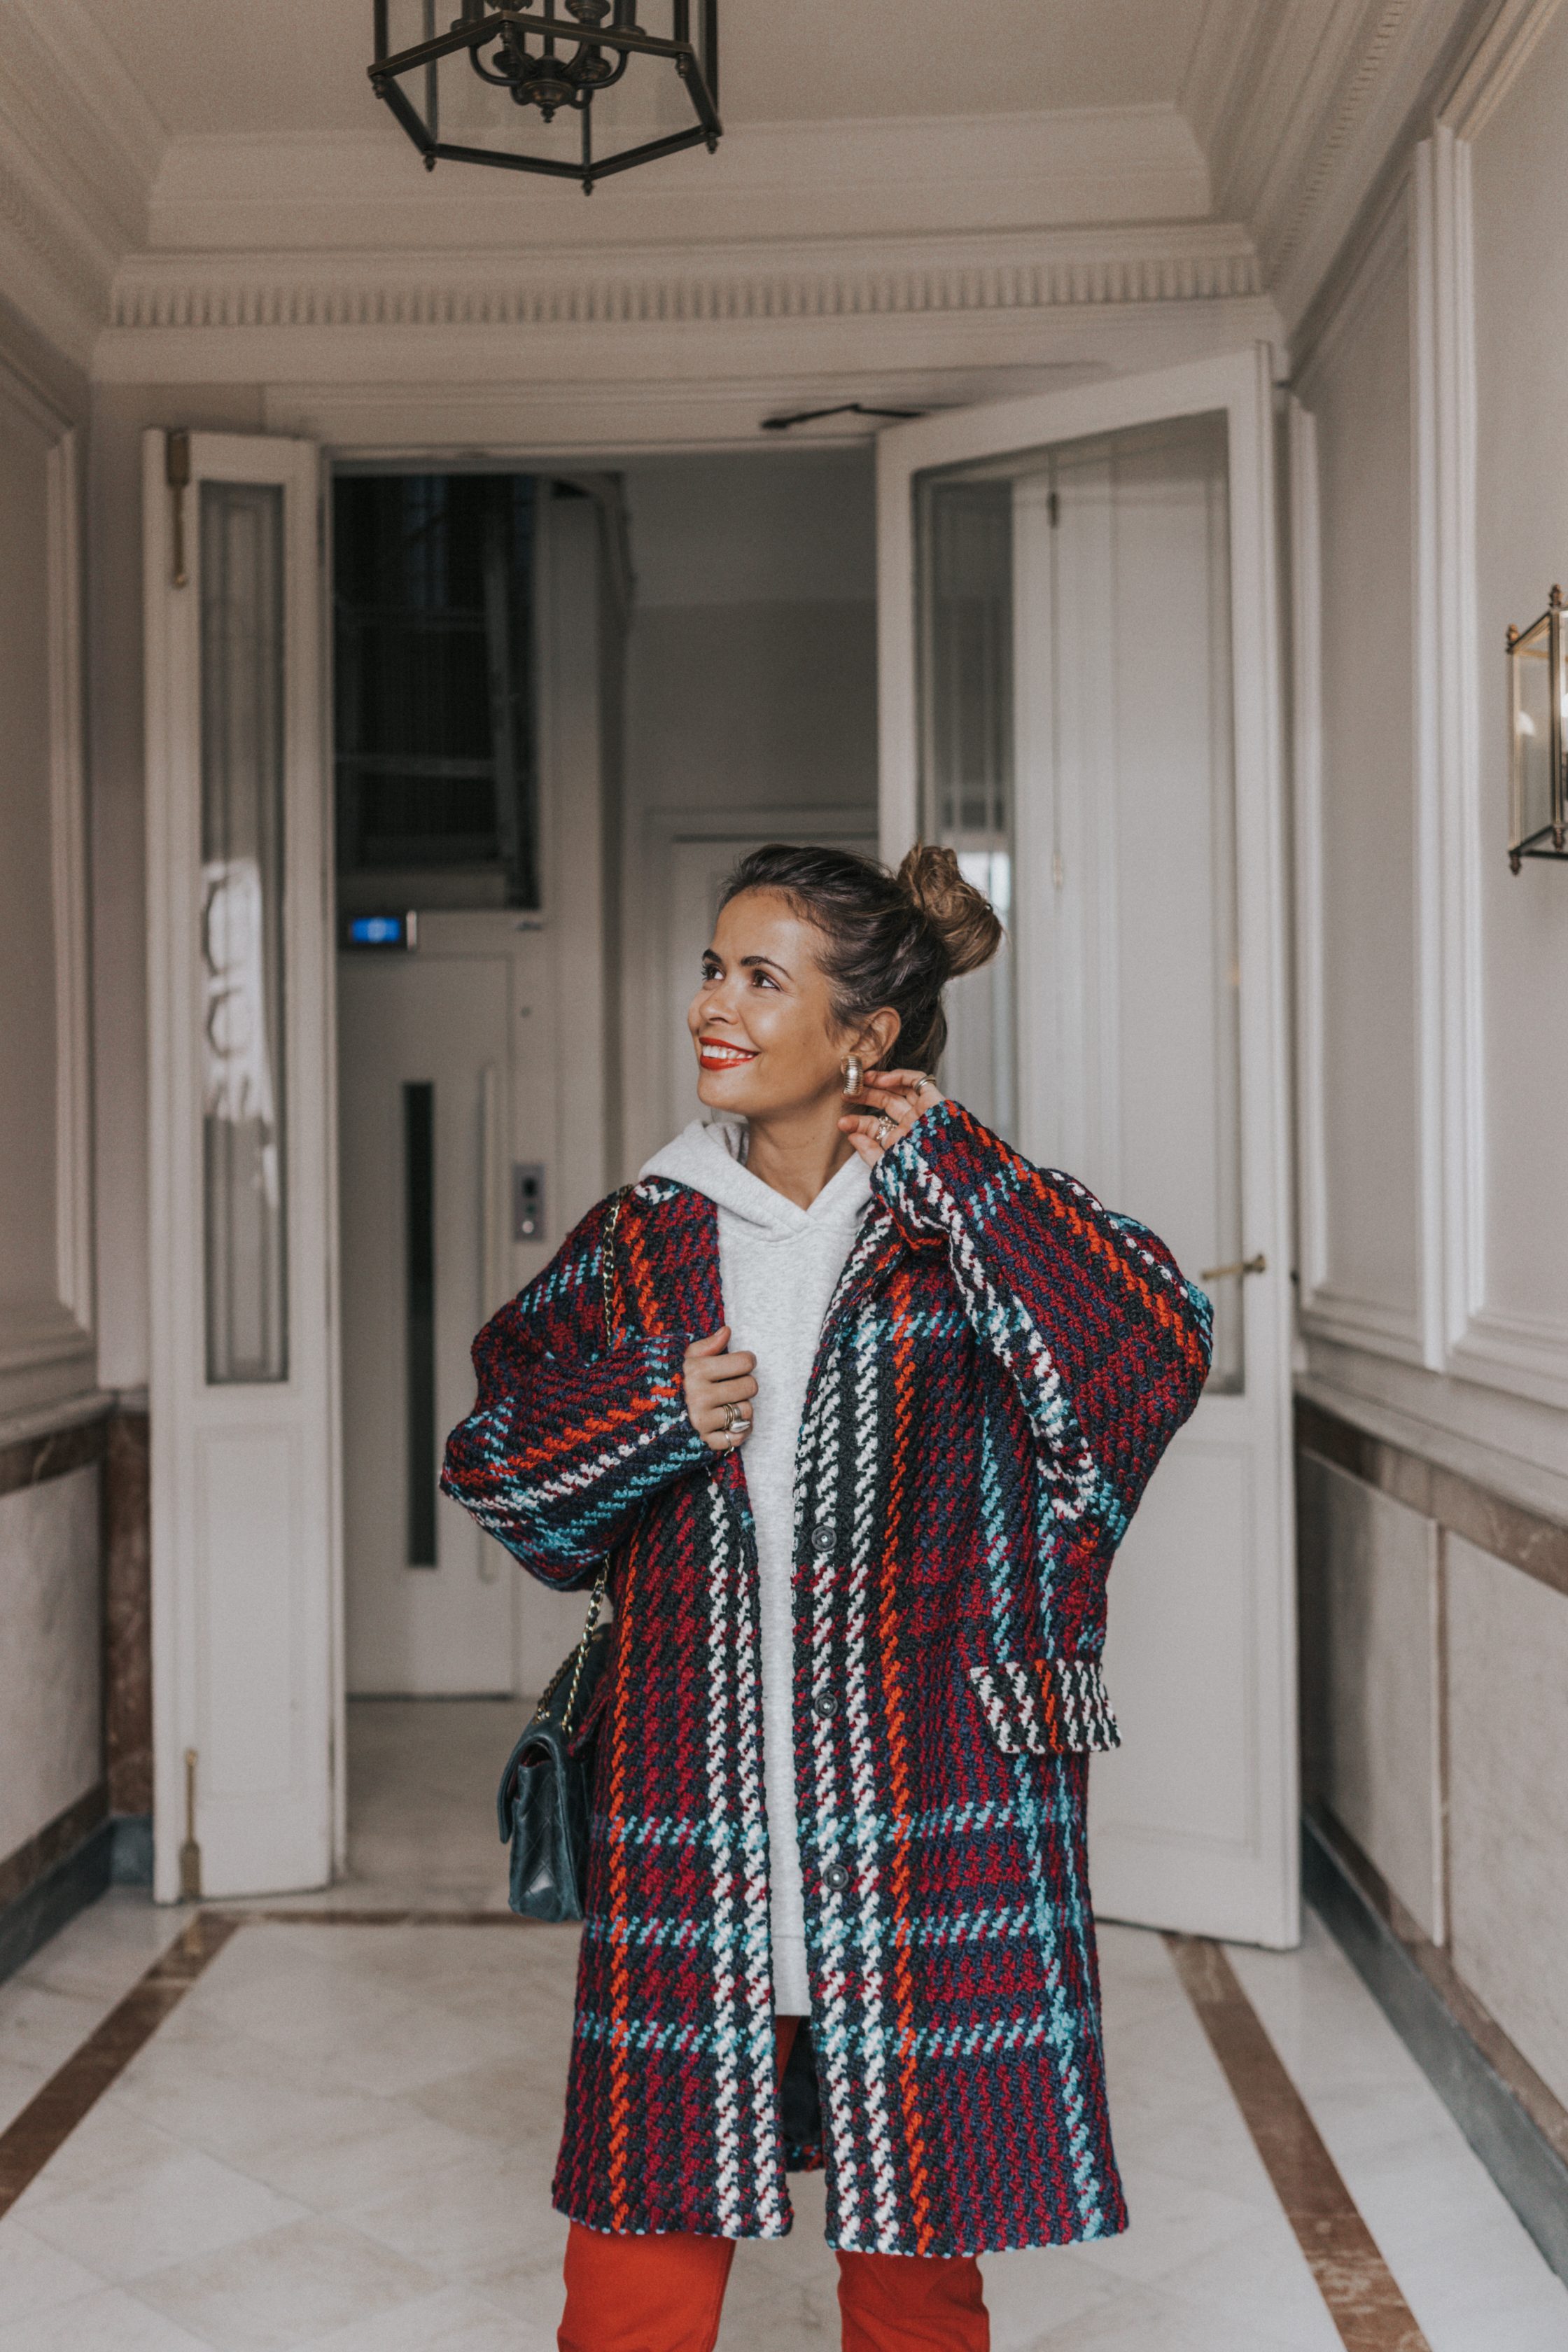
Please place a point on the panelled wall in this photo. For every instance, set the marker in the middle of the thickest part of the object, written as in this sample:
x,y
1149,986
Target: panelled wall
x,y
52,1784
1429,465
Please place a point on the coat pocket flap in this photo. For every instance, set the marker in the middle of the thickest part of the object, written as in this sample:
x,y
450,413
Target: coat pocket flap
x,y
1041,1706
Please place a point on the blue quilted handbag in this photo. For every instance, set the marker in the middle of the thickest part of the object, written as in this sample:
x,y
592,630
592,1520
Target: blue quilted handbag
x,y
546,1791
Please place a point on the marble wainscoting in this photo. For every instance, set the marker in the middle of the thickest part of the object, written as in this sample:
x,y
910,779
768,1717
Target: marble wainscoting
x,y
1434,1661
128,1630
76,1711
54,1848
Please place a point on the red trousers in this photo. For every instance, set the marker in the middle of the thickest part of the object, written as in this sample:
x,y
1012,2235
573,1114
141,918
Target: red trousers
x,y
664,2293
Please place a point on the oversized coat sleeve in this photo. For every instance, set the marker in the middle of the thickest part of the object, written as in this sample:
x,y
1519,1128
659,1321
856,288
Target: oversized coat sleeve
x,y
1106,1341
568,1437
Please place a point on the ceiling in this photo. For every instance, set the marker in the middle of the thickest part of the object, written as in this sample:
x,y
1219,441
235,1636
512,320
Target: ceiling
x,y
299,65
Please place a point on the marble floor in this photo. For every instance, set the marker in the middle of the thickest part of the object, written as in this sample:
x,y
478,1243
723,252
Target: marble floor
x,y
341,2134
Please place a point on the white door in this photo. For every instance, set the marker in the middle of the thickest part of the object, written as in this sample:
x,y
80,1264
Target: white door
x,y
1079,692
425,1058
244,1388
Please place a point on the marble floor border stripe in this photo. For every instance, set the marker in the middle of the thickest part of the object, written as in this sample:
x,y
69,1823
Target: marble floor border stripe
x,y
53,2114
1361,2294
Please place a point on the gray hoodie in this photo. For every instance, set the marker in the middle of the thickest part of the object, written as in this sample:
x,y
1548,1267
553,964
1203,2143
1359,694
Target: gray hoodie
x,y
777,1267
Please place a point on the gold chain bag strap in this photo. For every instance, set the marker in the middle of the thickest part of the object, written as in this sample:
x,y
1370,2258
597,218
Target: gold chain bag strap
x,y
543,1801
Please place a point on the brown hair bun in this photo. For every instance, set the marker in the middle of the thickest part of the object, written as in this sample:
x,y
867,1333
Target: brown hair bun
x,y
962,916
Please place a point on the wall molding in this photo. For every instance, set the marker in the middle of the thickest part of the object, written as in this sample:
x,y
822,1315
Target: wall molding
x,y
1447,901
1514,1350
1328,1307
46,1344
54,1453
67,826
1187,262
1525,1539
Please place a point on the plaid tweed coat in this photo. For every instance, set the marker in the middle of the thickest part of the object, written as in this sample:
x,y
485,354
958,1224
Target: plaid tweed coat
x,y
1001,1367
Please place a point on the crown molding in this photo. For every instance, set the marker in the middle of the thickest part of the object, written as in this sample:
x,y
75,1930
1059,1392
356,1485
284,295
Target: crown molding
x,y
78,154
729,285
52,271
94,105
1310,103
1497,55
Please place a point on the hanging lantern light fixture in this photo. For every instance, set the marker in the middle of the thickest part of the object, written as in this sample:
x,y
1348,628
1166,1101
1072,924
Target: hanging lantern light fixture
x,y
556,57
1538,732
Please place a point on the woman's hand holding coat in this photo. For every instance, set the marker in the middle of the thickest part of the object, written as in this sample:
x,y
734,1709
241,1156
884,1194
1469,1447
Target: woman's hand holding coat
x,y
715,1380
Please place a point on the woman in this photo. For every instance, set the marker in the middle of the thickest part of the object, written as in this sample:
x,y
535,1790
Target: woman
x,y
881,1402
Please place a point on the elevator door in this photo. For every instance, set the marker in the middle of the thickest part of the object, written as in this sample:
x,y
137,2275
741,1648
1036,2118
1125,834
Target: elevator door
x,y
425,1082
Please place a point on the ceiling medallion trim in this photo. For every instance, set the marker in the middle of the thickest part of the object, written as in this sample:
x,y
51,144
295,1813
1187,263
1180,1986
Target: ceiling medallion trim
x,y
1210,266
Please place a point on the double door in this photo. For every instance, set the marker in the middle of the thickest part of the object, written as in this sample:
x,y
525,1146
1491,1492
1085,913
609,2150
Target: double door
x,y
1078,681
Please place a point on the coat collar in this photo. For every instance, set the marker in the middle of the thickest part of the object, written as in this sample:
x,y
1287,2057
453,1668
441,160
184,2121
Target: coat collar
x,y
678,1287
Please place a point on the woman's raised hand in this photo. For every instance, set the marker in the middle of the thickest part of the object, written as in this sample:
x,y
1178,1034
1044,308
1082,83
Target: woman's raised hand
x,y
896,1099
718,1390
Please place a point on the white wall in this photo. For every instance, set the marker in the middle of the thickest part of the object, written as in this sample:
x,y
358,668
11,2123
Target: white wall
x,y
1430,509
751,678
750,687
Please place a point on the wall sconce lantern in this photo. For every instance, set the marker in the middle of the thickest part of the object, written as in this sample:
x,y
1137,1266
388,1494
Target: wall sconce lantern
x,y
1538,708
558,56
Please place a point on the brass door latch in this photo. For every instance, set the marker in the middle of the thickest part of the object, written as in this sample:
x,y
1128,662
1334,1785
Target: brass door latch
x,y
1259,1264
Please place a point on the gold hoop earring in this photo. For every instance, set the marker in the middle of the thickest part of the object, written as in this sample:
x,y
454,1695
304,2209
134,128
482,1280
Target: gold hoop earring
x,y
854,1076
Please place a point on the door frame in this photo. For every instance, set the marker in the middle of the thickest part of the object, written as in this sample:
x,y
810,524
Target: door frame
x,y
1241,384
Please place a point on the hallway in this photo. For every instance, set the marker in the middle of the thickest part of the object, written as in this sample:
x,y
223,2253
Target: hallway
x,y
341,2133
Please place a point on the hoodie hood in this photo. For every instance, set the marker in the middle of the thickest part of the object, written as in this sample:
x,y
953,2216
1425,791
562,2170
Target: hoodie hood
x,y
710,1156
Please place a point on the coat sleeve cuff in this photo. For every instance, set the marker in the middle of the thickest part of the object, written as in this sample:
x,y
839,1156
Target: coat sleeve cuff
x,y
943,1152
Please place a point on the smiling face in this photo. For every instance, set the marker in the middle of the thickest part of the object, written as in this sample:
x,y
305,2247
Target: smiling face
x,y
761,1023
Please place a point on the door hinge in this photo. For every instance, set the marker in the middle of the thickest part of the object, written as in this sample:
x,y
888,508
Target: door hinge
x,y
1053,509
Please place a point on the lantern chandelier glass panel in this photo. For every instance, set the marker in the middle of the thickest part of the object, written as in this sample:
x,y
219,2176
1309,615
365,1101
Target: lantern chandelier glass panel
x,y
552,59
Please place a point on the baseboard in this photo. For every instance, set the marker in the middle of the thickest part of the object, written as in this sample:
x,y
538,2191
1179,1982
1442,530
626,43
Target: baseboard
x,y
1528,2168
117,1852
68,1887
132,1863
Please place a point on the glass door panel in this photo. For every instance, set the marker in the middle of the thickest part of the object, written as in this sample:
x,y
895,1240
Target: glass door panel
x,y
1074,679
244,1212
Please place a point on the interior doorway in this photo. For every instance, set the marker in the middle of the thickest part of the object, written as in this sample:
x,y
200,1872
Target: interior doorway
x,y
686,647
476,644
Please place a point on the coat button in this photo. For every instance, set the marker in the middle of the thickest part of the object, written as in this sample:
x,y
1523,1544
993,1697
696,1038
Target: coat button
x,y
826,1703
836,1877
822,1535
